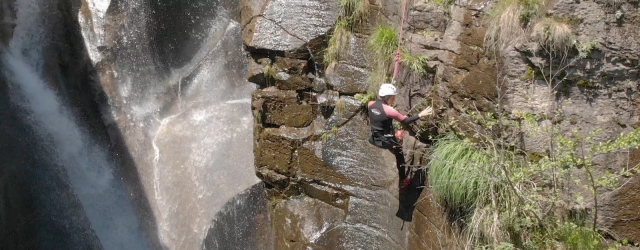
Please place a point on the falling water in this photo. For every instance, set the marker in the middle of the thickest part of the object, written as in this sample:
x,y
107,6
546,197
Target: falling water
x,y
89,169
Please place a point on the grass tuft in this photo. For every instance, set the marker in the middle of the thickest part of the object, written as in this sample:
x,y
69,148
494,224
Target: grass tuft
x,y
554,35
575,237
416,64
338,42
382,47
340,105
355,12
365,98
508,20
352,13
456,173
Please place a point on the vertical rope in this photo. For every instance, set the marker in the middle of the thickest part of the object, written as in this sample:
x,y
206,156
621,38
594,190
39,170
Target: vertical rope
x,y
397,60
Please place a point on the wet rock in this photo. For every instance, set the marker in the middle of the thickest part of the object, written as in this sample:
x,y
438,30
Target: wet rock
x,y
283,108
356,53
357,237
331,196
272,178
256,73
313,168
373,209
430,228
249,9
243,223
350,75
347,79
351,155
346,108
302,221
275,152
291,74
328,98
319,85
290,25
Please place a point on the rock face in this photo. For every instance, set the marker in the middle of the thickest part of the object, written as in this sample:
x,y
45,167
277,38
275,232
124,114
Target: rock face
x,y
329,188
319,166
8,21
304,21
173,97
40,205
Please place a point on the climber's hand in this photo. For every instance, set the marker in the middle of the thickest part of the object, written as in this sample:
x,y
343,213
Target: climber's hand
x,y
426,112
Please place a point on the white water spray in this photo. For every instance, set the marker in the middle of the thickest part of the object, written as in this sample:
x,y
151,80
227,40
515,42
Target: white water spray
x,y
89,170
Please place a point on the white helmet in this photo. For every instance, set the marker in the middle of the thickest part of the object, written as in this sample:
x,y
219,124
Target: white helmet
x,y
387,89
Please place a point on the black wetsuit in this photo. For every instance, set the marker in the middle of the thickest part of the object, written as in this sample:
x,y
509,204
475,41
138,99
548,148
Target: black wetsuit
x,y
382,134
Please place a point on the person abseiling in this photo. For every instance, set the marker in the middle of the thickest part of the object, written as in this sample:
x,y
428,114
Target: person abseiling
x,y
381,116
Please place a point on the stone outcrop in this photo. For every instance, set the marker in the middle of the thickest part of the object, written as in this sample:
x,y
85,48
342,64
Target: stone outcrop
x,y
313,164
169,82
329,187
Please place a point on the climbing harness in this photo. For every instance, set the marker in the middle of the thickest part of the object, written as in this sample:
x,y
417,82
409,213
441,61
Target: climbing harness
x,y
397,62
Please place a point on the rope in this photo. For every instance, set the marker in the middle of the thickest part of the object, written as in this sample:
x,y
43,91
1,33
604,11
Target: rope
x,y
397,62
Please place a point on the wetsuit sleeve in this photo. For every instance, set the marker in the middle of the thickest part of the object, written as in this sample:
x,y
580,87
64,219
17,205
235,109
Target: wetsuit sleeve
x,y
411,119
393,113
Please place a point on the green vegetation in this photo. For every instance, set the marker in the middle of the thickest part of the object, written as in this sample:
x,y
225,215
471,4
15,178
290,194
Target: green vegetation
x,y
514,199
338,42
457,173
333,131
383,44
576,237
529,75
506,199
365,98
352,14
585,48
416,64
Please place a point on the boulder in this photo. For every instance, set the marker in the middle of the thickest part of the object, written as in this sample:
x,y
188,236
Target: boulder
x,y
283,108
289,25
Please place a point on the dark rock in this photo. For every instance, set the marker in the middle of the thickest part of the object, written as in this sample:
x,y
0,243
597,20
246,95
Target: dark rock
x,y
249,9
256,74
275,152
312,167
331,196
7,12
427,17
273,178
430,223
347,79
291,74
302,221
289,26
283,108
346,107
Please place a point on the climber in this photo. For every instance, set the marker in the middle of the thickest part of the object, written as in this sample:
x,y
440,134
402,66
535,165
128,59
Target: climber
x,y
382,135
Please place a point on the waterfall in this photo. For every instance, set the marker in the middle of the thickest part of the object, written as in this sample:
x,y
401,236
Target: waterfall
x,y
86,163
